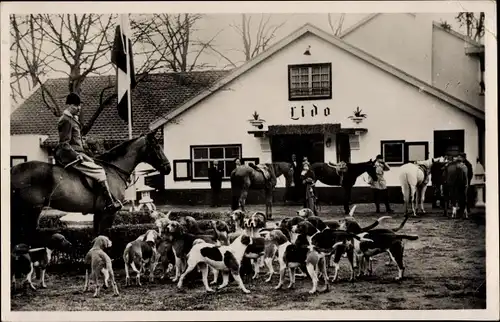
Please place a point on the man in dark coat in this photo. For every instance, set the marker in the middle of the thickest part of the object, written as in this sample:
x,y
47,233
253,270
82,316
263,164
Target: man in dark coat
x,y
70,149
215,176
470,174
297,182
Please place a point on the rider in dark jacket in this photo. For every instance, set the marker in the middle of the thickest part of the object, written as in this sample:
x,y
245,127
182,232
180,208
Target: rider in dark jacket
x,y
70,150
308,179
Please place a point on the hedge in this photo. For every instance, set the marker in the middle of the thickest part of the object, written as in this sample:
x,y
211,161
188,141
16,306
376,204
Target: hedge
x,y
124,217
127,226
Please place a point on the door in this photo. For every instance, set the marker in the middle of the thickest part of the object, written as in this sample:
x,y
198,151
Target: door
x,y
343,147
450,142
306,145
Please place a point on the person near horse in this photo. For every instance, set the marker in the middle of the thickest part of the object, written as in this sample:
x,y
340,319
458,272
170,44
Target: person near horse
x,y
237,162
470,195
297,188
379,187
70,151
215,176
309,180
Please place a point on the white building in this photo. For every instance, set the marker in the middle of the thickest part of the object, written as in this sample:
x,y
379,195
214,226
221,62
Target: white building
x,y
409,114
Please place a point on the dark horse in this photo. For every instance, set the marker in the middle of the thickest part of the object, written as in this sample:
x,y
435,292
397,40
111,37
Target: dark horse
x,y
35,185
244,178
451,183
329,176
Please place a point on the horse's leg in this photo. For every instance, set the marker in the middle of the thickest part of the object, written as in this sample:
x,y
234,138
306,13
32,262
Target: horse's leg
x,y
243,198
269,204
413,199
464,205
347,199
97,220
30,225
106,223
422,198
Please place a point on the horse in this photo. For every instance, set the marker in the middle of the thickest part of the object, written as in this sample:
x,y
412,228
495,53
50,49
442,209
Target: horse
x,y
330,176
453,180
36,184
245,177
414,178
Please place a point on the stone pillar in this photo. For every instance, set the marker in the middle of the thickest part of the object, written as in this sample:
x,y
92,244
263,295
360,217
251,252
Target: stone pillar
x,y
146,199
480,183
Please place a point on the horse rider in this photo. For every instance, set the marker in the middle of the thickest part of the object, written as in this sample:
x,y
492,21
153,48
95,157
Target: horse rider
x,y
309,180
70,152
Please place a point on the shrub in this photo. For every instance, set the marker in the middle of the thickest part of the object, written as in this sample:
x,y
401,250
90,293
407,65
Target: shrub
x,y
48,221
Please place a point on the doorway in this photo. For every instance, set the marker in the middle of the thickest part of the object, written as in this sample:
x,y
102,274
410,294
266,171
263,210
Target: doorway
x,y
343,147
302,145
449,142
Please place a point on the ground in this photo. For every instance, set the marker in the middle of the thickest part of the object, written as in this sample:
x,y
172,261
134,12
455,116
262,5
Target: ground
x,y
445,269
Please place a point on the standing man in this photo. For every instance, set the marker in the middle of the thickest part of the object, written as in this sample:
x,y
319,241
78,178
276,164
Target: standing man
x,y
215,176
470,192
70,149
379,187
297,182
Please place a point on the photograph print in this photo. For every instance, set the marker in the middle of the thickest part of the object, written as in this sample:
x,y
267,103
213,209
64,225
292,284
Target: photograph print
x,y
182,161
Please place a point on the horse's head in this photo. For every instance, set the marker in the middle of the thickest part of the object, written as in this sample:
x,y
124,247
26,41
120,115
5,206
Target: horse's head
x,y
155,155
371,170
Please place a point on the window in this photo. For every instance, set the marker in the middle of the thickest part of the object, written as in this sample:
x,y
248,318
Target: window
x,y
203,156
313,81
400,152
17,159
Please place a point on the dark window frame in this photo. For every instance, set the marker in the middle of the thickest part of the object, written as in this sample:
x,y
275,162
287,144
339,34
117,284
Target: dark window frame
x,y
192,147
13,157
309,97
407,152
406,145
189,170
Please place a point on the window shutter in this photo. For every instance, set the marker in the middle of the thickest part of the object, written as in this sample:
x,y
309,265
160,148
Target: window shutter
x,y
182,170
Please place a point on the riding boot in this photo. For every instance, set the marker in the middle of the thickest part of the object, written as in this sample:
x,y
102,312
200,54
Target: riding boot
x,y
111,204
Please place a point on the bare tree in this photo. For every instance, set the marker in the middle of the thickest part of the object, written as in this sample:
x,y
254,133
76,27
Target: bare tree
x,y
336,24
255,40
474,24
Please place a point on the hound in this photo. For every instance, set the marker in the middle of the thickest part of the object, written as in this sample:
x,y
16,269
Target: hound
x,y
99,263
224,258
140,252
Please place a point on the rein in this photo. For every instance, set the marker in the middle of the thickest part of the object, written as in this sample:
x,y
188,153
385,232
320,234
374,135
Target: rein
x,y
122,174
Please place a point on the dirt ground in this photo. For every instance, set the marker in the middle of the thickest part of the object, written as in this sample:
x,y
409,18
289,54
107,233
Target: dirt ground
x,y
445,269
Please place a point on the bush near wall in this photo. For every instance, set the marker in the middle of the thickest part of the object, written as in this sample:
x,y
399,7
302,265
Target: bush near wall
x,y
127,226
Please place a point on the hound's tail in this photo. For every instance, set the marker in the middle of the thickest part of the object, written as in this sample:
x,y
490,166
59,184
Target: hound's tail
x,y
409,237
401,226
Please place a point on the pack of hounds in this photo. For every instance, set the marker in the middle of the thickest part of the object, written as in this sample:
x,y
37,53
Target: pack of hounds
x,y
305,245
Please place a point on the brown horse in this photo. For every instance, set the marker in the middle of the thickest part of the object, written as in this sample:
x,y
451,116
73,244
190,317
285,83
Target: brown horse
x,y
329,176
35,185
244,178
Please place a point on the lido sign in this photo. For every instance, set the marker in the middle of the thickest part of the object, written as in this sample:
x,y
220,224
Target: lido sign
x,y
300,113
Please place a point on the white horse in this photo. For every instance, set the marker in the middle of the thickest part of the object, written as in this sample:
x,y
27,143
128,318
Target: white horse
x,y
414,178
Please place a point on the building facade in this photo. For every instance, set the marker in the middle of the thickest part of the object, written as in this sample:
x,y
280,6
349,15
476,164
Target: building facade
x,y
306,88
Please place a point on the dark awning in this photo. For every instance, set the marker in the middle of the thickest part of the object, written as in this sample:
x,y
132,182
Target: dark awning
x,y
303,129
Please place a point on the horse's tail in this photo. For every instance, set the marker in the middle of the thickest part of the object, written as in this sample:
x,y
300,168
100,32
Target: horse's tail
x,y
236,184
405,184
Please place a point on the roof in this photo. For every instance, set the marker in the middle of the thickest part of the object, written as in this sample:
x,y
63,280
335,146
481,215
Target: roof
x,y
358,24
155,95
310,29
463,37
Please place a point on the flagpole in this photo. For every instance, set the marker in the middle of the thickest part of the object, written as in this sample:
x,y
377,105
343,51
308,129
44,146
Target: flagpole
x,y
125,26
129,100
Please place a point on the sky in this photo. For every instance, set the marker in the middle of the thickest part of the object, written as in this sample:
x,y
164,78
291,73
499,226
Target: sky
x,y
228,40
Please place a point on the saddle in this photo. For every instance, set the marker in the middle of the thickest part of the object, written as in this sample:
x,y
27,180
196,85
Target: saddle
x,y
340,169
86,181
264,170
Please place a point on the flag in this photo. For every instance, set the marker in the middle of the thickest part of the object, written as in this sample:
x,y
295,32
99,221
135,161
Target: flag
x,y
125,76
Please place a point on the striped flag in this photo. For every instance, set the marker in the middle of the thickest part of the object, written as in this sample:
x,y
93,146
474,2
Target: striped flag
x,y
125,76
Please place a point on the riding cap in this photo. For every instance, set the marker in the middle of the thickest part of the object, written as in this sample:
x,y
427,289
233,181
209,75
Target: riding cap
x,y
378,157
73,99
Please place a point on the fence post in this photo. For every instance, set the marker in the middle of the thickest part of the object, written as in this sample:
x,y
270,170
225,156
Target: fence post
x,y
480,183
